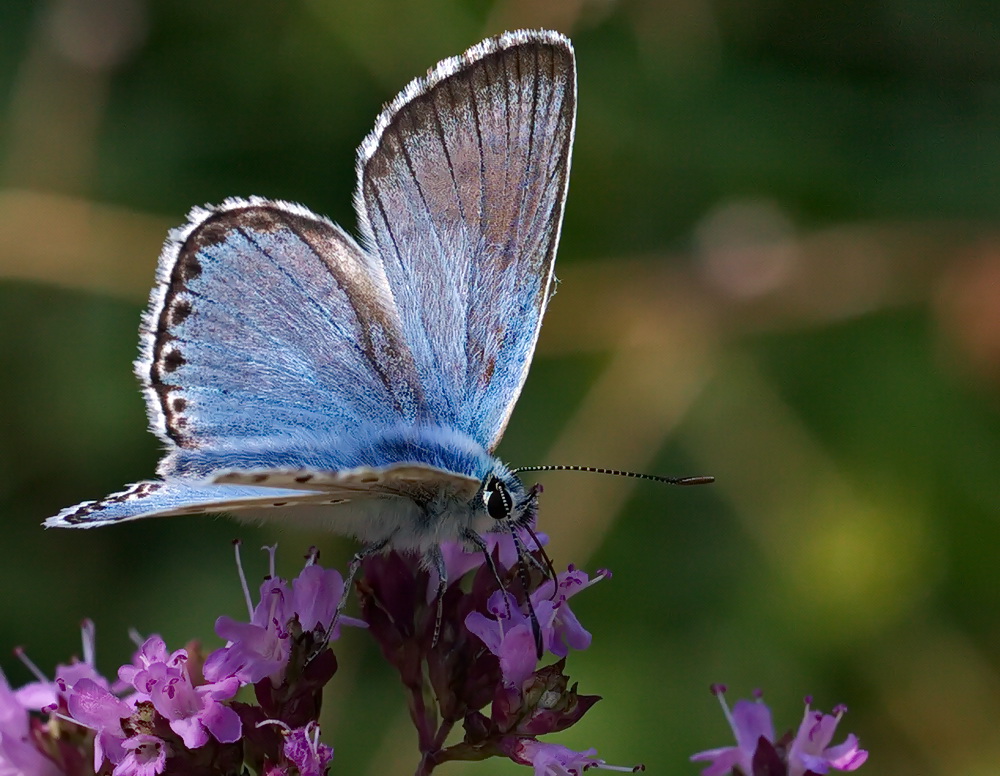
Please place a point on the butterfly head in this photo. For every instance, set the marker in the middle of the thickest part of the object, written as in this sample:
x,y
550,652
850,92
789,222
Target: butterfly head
x,y
508,503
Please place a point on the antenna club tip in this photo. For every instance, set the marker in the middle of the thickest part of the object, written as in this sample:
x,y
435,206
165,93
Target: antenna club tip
x,y
698,480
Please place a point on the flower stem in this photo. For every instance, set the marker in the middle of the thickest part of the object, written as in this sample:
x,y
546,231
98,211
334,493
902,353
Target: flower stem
x,y
422,718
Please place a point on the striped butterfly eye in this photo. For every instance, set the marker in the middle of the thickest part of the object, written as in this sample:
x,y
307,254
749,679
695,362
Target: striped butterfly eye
x,y
497,499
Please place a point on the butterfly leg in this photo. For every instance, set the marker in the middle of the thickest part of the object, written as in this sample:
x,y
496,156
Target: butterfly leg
x,y
436,558
352,571
522,571
477,541
471,537
538,565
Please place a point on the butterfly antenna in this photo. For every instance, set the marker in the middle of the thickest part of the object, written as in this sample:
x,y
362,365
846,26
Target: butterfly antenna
x,y
697,480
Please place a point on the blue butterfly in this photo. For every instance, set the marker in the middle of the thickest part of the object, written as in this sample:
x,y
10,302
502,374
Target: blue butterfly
x,y
285,363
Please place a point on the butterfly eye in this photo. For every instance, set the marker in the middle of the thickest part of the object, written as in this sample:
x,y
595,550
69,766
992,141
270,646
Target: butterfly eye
x,y
497,499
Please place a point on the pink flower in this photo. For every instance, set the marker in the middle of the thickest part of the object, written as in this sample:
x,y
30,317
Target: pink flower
x,y
193,712
558,760
509,634
18,753
257,648
306,752
565,629
758,751
810,750
553,759
261,647
750,721
93,706
145,755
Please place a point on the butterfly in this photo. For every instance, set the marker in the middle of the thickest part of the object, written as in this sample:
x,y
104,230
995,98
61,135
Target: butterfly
x,y
285,363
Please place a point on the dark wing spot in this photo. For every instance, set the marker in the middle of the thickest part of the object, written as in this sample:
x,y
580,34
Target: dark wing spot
x,y
143,489
180,404
188,266
179,311
173,360
304,478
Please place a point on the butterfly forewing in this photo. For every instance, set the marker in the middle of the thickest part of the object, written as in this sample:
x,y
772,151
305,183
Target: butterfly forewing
x,y
179,497
461,192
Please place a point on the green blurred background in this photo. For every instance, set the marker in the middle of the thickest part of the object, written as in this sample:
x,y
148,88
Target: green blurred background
x,y
780,266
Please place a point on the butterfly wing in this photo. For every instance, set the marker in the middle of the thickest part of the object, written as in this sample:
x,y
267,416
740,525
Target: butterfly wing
x,y
177,496
267,324
461,188
268,320
239,490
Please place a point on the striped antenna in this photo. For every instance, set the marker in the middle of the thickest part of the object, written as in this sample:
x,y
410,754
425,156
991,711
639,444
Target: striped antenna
x,y
699,480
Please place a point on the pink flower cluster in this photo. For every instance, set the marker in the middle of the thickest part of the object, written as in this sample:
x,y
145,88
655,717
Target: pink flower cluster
x,y
508,631
158,688
489,655
175,711
482,667
759,753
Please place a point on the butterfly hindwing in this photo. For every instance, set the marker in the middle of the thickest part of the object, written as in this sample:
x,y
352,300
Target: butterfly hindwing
x,y
461,189
268,319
